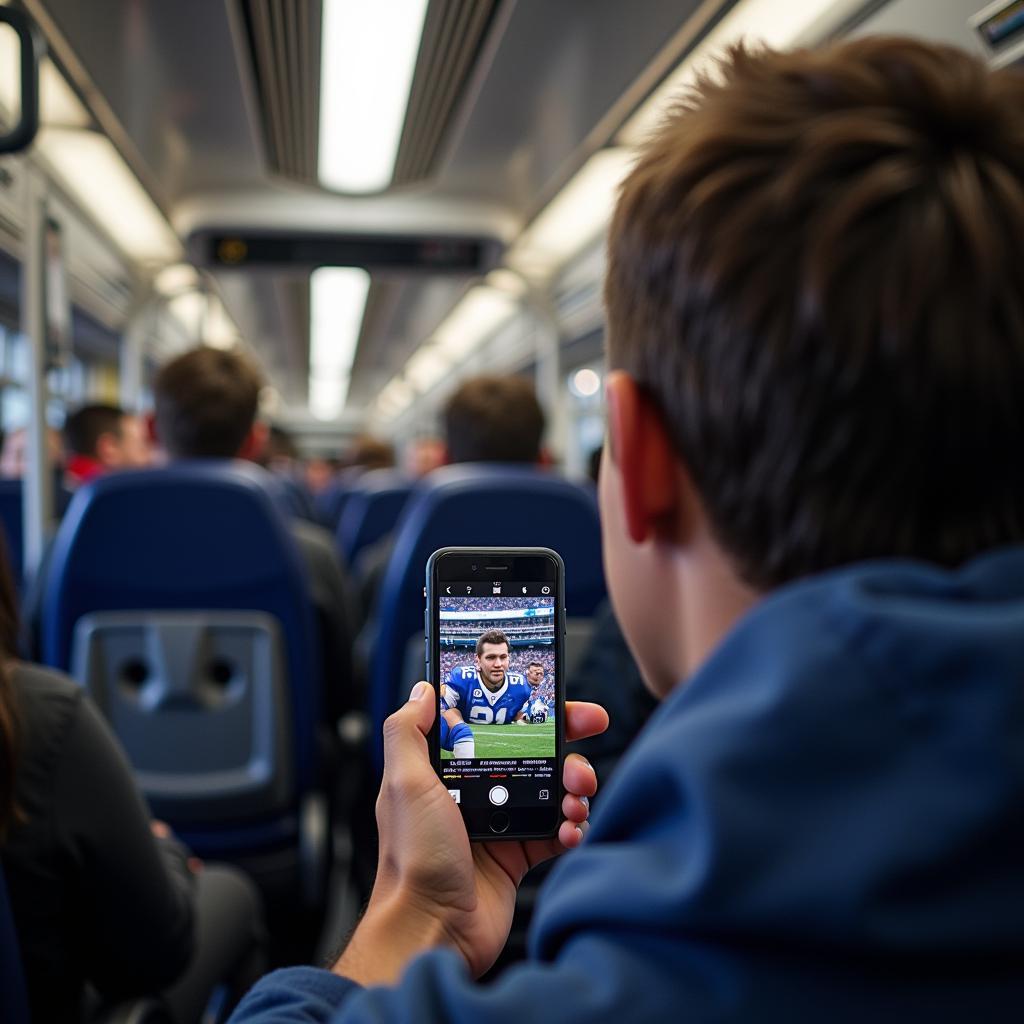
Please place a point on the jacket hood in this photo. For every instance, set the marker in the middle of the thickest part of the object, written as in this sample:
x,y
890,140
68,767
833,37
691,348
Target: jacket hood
x,y
846,772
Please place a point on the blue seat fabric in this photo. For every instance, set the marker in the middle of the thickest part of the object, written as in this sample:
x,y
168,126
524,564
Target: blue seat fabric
x,y
371,511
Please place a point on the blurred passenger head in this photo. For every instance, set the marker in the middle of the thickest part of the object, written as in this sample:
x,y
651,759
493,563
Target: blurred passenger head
x,y
14,456
108,435
815,298
206,404
369,453
424,455
319,473
280,453
494,419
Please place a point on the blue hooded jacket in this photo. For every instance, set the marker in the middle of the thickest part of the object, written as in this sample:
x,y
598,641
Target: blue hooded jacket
x,y
825,823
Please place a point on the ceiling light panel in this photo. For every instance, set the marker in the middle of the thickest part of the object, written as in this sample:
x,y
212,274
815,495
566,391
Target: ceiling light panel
x,y
327,397
480,313
337,298
368,56
575,217
93,172
427,367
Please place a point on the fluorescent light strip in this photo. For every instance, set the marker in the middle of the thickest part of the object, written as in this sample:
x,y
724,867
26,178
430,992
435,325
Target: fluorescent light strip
x,y
766,22
93,172
576,216
368,56
426,367
327,397
480,313
337,301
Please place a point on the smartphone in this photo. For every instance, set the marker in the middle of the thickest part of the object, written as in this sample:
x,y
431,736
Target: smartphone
x,y
495,631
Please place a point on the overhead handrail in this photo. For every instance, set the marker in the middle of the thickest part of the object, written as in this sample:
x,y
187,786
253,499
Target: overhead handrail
x,y
32,47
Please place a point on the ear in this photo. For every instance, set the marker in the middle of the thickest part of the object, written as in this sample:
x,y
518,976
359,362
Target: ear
x,y
255,442
647,463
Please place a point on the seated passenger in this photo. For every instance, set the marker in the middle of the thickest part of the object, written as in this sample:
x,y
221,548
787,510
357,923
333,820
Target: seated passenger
x,y
486,419
206,404
424,455
813,512
14,456
100,894
99,438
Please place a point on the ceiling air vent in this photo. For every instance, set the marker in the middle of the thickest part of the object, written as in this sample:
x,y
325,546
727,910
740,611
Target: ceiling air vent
x,y
284,49
454,33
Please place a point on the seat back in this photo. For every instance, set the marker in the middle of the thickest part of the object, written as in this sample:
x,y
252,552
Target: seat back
x,y
478,504
12,980
177,596
11,523
290,496
372,511
329,504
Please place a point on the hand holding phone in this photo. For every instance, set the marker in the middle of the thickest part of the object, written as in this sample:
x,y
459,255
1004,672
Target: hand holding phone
x,y
494,650
432,884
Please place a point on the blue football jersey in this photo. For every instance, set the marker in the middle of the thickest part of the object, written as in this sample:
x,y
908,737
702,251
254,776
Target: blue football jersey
x,y
467,694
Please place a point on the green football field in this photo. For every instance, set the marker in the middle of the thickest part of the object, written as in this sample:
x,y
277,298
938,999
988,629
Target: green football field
x,y
512,740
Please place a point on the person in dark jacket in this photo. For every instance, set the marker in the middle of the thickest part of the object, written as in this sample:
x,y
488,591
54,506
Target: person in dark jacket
x,y
813,512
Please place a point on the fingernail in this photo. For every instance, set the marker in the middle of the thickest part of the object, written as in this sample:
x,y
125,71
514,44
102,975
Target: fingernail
x,y
578,829
419,691
585,801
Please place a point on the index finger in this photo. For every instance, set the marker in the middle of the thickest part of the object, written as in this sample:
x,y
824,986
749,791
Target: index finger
x,y
583,719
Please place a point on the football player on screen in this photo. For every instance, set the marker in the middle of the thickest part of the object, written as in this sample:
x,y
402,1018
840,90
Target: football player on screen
x,y
484,694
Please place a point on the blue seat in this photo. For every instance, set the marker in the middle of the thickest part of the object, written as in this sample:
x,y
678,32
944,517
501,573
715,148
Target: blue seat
x,y
12,526
12,979
477,504
372,510
329,504
291,497
12,523
178,597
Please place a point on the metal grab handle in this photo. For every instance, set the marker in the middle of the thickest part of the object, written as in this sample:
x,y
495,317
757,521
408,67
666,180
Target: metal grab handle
x,y
32,49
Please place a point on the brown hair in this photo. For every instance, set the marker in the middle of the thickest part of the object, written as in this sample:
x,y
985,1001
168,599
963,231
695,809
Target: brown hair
x,y
494,419
492,636
371,453
84,427
816,271
9,731
206,403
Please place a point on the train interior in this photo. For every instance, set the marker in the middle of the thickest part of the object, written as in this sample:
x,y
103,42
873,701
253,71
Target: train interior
x,y
374,203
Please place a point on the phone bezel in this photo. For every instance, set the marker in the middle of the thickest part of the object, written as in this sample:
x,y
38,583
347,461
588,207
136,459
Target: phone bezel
x,y
455,563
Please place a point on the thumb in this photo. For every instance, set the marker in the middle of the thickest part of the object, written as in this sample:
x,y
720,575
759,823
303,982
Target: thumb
x,y
405,730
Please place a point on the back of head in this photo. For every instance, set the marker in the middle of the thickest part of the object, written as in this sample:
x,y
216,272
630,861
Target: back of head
x,y
816,270
494,419
206,403
371,453
85,426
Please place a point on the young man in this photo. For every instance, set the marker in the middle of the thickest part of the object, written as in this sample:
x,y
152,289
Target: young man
x,y
816,330
100,438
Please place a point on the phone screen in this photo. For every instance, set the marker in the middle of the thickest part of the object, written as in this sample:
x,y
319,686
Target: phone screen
x,y
499,692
